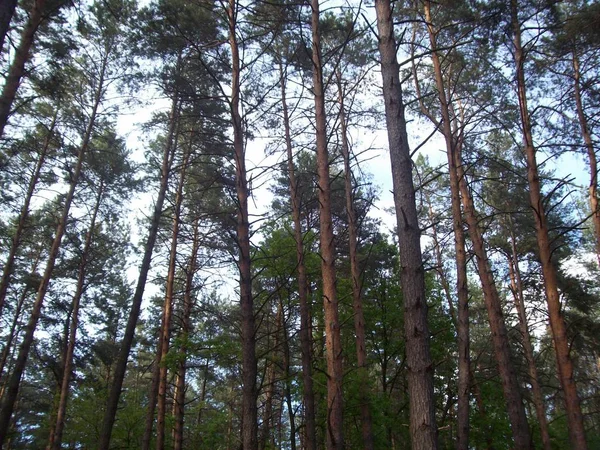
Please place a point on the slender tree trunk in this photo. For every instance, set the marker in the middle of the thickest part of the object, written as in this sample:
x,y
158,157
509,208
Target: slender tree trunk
x,y
121,365
517,290
459,244
508,376
7,10
17,67
267,428
589,146
423,429
188,303
288,380
359,319
249,364
24,215
305,322
15,379
165,333
8,341
335,432
557,322
55,442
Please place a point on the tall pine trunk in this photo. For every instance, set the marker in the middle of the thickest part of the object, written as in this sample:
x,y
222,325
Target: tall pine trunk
x,y
55,441
359,319
557,321
165,332
516,286
186,326
249,364
14,382
335,432
24,214
589,146
423,429
508,376
459,243
308,395
123,356
17,67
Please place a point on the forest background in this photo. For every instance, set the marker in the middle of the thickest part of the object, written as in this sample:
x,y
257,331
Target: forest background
x,y
195,255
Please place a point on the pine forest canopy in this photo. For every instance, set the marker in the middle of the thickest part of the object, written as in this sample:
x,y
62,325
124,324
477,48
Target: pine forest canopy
x,y
261,299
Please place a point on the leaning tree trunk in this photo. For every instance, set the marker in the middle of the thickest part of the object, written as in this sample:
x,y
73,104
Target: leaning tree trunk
x,y
589,146
17,67
423,429
516,286
123,356
359,318
55,442
249,364
24,215
557,321
186,326
459,244
310,442
14,382
508,376
335,432
165,332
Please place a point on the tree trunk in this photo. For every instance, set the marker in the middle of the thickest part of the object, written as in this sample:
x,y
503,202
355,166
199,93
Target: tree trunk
x,y
288,380
557,322
510,383
359,319
188,304
249,364
165,333
6,351
517,290
459,244
15,379
55,442
121,365
310,442
7,10
589,145
17,67
335,432
423,429
24,215
265,440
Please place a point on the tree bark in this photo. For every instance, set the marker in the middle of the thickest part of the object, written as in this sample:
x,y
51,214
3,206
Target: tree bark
x,y
310,441
121,365
249,364
557,322
335,432
517,290
24,215
17,67
510,383
55,442
15,380
359,319
7,10
186,326
464,369
423,429
165,333
589,146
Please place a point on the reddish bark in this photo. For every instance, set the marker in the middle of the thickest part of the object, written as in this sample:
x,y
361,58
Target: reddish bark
x,y
335,432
